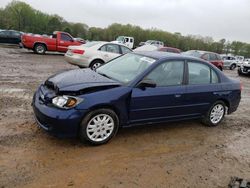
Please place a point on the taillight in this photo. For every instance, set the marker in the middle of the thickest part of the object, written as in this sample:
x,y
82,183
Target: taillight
x,y
241,86
75,51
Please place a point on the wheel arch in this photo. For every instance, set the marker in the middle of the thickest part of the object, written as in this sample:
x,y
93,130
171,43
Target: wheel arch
x,y
103,106
227,103
96,59
40,43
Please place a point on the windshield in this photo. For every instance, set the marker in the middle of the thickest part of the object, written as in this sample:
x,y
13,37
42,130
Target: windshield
x,y
120,39
126,68
148,41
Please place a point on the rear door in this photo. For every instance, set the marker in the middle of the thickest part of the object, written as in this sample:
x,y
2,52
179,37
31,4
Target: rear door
x,y
110,51
166,100
202,87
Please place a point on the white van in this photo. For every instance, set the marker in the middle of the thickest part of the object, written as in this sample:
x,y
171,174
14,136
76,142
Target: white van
x,y
125,40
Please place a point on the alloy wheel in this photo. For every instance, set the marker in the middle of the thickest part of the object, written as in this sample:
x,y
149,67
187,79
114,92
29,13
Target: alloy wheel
x,y
217,113
100,127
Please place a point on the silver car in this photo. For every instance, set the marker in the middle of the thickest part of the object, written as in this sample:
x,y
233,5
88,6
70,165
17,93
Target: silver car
x,y
229,62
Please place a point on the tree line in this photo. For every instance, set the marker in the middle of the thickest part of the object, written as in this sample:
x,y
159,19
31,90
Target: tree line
x,y
20,16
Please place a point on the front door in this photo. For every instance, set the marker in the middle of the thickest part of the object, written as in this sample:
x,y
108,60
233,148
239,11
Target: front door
x,y
64,41
165,101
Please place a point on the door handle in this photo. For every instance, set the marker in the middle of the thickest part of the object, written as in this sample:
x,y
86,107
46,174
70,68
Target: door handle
x,y
177,95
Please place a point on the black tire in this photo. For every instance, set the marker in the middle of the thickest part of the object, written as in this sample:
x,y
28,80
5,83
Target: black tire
x,y
207,119
233,66
95,64
84,135
221,68
40,49
239,72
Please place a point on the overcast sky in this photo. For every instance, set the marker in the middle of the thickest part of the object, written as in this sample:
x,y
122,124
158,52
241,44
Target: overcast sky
x,y
219,19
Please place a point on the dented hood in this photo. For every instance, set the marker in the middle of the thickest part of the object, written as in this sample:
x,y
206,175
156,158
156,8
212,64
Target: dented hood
x,y
78,79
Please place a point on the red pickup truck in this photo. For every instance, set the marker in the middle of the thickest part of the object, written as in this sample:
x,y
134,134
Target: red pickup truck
x,y
58,42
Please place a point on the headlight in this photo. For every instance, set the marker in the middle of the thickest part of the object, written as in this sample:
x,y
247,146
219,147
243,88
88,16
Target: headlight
x,y
66,102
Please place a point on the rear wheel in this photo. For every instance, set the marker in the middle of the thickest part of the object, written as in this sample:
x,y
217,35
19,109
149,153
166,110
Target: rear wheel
x,y
40,48
215,115
95,64
99,126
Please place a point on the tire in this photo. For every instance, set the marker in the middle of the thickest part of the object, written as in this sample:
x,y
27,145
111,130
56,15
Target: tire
x,y
221,68
215,114
95,64
40,49
94,132
232,67
239,72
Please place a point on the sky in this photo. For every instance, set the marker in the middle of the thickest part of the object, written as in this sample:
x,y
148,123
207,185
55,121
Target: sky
x,y
229,19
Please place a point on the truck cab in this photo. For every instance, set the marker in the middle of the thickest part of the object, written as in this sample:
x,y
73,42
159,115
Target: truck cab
x,y
125,40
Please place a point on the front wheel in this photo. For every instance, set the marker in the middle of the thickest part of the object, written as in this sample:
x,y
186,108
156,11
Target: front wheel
x,y
232,67
99,126
215,115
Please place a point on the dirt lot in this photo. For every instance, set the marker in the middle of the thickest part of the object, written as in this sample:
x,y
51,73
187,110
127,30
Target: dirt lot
x,y
184,154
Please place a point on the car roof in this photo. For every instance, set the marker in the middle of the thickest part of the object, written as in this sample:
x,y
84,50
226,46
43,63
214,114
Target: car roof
x,y
202,51
159,55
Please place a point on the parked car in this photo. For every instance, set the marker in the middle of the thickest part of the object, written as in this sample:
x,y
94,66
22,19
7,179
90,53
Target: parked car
x,y
94,54
212,57
244,69
136,88
154,42
146,47
125,40
10,37
229,62
240,60
170,50
58,42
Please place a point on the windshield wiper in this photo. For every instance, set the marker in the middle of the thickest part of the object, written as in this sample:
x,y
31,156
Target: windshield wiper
x,y
105,75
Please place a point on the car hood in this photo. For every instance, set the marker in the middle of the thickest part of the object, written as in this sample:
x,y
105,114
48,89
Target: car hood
x,y
79,80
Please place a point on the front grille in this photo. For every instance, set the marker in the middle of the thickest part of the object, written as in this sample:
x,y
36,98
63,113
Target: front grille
x,y
245,69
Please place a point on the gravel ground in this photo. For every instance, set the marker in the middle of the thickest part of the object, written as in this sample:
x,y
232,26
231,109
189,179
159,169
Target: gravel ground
x,y
183,154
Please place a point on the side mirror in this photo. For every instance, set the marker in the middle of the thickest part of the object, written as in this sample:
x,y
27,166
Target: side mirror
x,y
146,83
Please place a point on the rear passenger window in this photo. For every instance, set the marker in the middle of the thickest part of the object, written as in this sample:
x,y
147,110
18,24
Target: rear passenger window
x,y
112,48
212,57
198,73
214,78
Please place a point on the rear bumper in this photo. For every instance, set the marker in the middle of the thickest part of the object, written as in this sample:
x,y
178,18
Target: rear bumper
x,y
76,60
57,122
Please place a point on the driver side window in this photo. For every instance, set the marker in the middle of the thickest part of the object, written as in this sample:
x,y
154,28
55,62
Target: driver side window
x,y
168,74
65,37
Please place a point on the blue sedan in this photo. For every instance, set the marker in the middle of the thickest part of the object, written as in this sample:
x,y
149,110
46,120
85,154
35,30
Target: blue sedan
x,y
136,88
